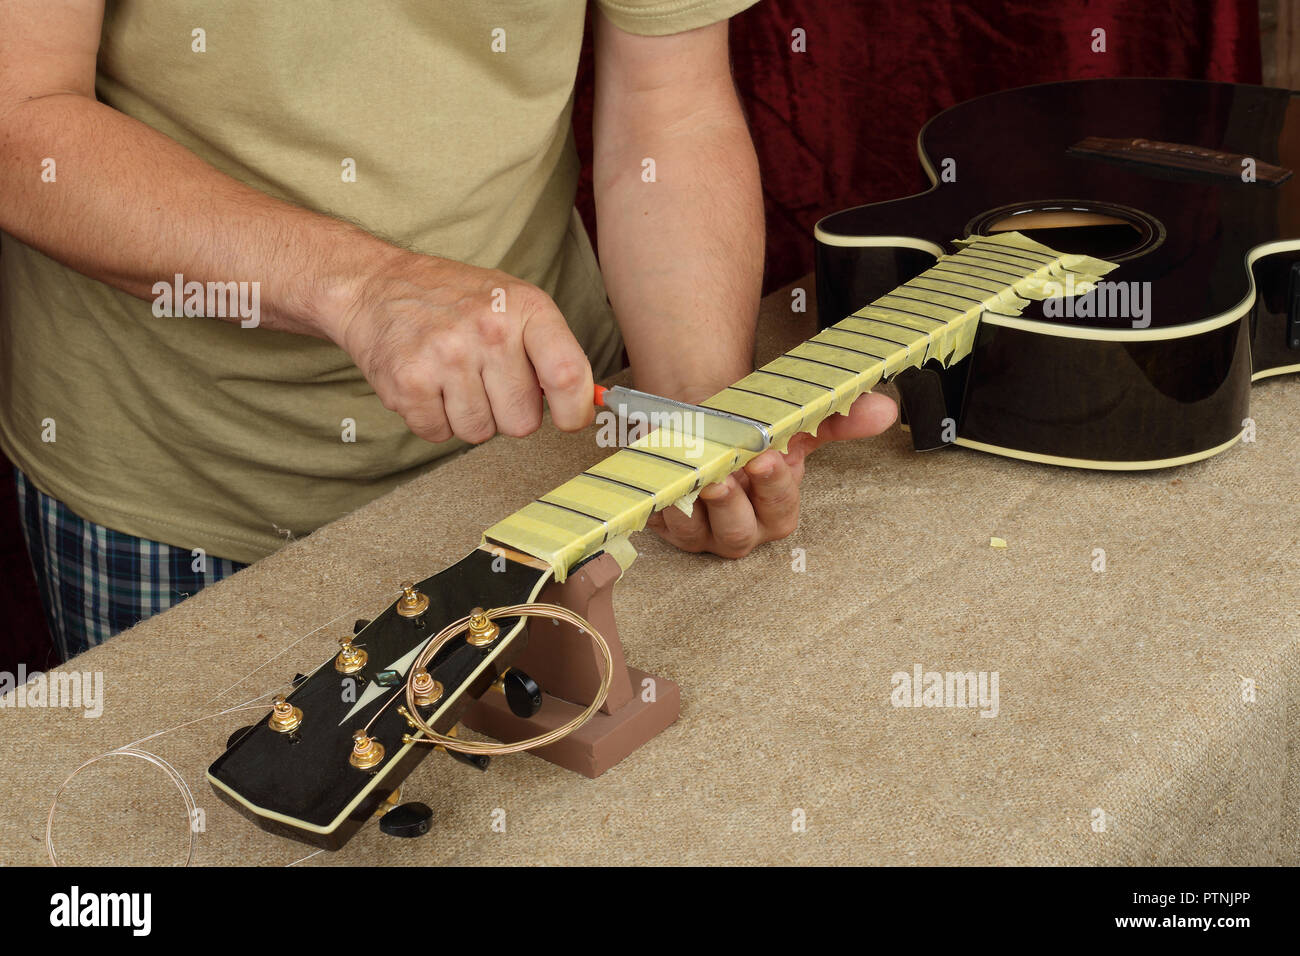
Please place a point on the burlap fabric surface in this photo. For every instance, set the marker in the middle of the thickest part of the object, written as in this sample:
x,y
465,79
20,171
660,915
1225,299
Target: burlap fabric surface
x,y
1121,736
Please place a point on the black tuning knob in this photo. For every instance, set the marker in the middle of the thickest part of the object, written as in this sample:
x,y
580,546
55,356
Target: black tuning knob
x,y
407,820
523,695
360,625
477,761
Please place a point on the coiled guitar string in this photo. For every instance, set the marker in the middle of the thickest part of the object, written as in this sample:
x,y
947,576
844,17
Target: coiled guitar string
x,y
132,750
480,748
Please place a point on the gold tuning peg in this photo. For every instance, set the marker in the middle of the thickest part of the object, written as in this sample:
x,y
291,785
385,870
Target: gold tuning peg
x,y
412,603
350,659
285,718
367,752
482,631
427,690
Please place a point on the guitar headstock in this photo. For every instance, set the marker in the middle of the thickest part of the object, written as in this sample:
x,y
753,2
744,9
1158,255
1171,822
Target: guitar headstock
x,y
292,772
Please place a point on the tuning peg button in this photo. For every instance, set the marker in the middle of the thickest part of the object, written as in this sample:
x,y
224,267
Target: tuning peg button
x,y
408,820
523,695
477,761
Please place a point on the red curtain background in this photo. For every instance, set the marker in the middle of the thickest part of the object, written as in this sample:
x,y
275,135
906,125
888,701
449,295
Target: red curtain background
x,y
836,125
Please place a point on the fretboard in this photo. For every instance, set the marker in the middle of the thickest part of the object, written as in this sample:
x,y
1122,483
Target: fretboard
x,y
931,317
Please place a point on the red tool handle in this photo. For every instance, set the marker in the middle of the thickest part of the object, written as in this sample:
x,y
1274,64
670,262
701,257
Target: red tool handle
x,y
599,394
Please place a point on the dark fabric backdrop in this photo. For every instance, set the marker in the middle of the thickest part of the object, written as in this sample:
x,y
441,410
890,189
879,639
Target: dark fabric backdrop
x,y
836,126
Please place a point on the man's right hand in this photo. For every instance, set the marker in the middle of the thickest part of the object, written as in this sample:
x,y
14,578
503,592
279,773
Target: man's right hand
x,y
423,330
464,351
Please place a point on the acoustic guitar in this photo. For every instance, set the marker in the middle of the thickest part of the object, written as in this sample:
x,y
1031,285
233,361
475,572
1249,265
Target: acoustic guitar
x,y
1186,185
966,314
334,748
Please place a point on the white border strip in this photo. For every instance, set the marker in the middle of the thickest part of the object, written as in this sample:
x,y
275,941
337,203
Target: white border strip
x,y
1098,465
1048,328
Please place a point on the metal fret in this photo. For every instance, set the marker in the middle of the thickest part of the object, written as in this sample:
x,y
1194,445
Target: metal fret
x,y
951,295
622,484
583,514
971,255
953,282
802,358
845,348
802,381
1001,250
775,398
909,298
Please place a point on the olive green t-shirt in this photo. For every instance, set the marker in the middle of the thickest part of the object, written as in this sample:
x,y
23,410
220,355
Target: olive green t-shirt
x,y
442,125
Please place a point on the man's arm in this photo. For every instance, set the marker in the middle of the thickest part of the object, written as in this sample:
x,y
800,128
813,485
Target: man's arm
x,y
683,261
131,207
682,256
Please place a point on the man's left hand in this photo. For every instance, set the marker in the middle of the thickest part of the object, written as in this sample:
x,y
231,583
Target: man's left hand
x,y
760,502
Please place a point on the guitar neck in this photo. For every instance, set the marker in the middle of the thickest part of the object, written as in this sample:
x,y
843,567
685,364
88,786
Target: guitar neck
x,y
931,317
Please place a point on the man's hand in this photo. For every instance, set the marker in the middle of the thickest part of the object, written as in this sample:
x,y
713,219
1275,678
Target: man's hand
x,y
760,502
459,350
422,329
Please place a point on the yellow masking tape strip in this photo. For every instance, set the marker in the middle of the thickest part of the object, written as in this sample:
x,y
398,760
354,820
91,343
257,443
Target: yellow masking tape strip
x,y
642,471
800,393
954,283
761,408
855,362
592,496
918,306
622,551
688,450
932,317
843,384
950,297
541,530
809,371
892,326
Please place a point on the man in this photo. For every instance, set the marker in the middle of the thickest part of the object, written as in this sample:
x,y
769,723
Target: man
x,y
381,196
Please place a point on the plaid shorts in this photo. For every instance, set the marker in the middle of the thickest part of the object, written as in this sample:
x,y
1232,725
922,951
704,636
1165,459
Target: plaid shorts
x,y
96,582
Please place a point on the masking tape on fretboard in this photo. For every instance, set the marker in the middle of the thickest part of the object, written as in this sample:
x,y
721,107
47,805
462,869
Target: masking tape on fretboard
x,y
933,317
621,550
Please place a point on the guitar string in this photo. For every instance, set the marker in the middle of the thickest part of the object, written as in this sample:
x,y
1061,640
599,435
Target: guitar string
x,y
535,609
187,795
132,749
287,649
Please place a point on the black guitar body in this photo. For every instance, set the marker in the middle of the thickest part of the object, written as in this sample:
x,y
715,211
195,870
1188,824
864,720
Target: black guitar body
x,y
1204,291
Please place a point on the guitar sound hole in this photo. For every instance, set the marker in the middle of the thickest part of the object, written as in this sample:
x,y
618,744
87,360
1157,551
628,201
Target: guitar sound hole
x,y
1103,230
